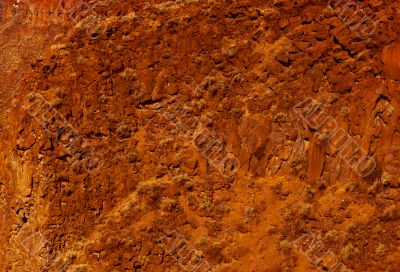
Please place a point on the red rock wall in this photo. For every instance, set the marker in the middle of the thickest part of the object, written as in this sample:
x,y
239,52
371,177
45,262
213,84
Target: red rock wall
x,y
103,164
391,57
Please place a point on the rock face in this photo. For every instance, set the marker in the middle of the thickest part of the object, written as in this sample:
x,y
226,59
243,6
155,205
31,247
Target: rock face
x,y
188,135
391,60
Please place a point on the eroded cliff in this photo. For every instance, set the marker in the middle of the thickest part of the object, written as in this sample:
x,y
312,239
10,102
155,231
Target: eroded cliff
x,y
234,127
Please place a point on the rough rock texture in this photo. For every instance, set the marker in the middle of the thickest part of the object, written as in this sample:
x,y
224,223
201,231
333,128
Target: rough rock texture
x,y
123,121
390,58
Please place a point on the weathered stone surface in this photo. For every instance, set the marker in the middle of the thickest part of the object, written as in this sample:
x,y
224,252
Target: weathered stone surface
x,y
119,130
391,59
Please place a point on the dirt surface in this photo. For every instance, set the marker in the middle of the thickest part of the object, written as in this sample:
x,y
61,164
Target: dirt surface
x,y
200,136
